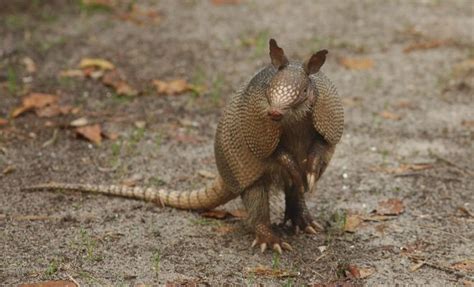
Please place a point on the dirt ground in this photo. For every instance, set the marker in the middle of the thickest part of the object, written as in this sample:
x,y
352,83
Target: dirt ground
x,y
404,69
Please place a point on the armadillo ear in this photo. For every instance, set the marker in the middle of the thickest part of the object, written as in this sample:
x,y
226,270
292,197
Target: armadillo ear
x,y
277,55
315,62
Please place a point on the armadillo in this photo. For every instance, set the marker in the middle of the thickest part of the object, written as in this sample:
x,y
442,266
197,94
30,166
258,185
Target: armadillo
x,y
279,131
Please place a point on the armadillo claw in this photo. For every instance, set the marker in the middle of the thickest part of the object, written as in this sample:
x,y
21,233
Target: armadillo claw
x,y
277,248
286,246
297,230
310,230
311,178
263,247
317,226
254,243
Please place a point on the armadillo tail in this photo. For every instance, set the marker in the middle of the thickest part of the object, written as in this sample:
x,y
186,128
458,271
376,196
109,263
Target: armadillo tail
x,y
207,198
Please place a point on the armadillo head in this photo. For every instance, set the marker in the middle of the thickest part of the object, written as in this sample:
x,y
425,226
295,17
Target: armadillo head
x,y
290,88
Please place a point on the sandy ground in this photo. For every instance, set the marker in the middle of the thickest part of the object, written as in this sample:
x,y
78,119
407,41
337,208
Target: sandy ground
x,y
408,136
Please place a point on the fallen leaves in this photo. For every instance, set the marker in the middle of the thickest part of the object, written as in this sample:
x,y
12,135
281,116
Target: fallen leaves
x,y
403,168
425,45
221,214
391,206
352,223
173,87
92,132
54,283
390,116
271,272
353,271
34,101
357,63
96,63
3,122
467,123
115,80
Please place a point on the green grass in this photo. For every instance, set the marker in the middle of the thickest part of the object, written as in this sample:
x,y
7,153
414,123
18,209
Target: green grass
x,y
89,244
12,81
91,8
15,21
276,261
205,222
52,268
156,260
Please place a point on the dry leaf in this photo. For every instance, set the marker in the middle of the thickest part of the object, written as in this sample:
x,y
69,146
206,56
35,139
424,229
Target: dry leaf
x,y
96,63
92,133
3,122
74,73
391,206
465,265
206,174
225,2
425,45
239,213
357,64
352,222
174,87
115,80
34,101
468,123
225,229
29,65
271,272
405,104
54,283
377,218
52,111
390,116
215,213
468,283
402,168
9,169
141,16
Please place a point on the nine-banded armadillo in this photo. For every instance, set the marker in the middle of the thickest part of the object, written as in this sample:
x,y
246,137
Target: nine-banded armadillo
x,y
278,131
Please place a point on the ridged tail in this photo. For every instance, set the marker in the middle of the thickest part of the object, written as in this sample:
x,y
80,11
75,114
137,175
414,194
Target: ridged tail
x,y
207,198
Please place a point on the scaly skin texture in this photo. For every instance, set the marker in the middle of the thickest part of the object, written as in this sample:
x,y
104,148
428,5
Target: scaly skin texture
x,y
278,131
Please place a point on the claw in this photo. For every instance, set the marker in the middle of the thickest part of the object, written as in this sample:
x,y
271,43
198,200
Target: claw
x,y
317,226
263,247
277,248
286,246
311,178
254,243
310,230
297,230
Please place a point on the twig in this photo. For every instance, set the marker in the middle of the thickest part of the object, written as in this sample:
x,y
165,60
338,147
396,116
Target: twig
x,y
52,140
73,280
448,162
438,267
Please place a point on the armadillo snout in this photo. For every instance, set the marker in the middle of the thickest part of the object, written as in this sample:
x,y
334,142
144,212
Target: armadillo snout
x,y
275,114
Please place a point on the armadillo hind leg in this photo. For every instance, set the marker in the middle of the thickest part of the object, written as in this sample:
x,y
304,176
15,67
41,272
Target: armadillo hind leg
x,y
256,201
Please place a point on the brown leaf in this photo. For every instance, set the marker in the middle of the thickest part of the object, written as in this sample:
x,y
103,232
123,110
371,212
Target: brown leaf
x,y
465,265
391,206
357,64
402,168
352,222
366,272
468,283
225,2
96,63
225,229
74,73
91,133
115,80
3,122
425,45
34,101
239,213
405,104
352,271
390,116
468,123
206,174
271,272
54,283
174,87
52,111
215,213
29,65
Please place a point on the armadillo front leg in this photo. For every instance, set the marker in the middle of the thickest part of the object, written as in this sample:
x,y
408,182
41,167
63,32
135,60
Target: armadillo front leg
x,y
319,156
256,202
297,212
288,162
